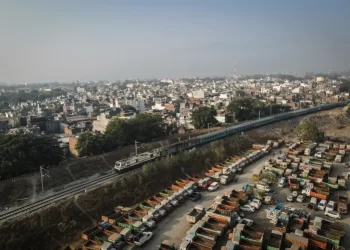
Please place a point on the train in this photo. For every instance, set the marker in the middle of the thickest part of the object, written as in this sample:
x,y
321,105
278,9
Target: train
x,y
134,161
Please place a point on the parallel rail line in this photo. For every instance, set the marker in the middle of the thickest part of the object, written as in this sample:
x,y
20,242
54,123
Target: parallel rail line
x,y
79,188
69,192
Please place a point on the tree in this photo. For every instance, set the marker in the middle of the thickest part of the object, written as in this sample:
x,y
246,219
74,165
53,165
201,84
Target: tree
x,y
219,148
309,132
25,153
242,108
143,128
203,116
90,144
269,176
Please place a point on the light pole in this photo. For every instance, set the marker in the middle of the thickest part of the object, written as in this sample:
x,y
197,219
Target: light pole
x,y
259,114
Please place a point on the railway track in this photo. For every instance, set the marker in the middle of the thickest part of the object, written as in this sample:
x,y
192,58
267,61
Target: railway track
x,y
69,192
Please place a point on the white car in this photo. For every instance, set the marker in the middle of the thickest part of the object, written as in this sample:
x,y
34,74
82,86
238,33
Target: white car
x,y
294,193
290,198
333,214
142,238
213,186
330,206
300,198
257,201
282,182
254,205
322,205
247,208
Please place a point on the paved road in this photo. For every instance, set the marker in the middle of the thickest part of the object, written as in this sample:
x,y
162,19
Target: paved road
x,y
175,225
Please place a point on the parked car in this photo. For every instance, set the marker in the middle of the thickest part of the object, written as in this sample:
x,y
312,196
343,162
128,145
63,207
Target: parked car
x,y
295,194
330,206
257,201
247,208
213,186
322,205
246,222
333,214
195,196
300,198
282,182
142,237
290,198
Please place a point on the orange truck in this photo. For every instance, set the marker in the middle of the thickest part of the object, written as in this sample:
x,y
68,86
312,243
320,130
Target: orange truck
x,y
319,195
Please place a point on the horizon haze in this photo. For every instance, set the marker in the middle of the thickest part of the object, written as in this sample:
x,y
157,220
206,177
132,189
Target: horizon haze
x,y
46,41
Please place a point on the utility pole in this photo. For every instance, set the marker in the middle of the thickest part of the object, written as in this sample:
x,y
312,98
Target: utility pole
x,y
135,147
259,114
208,127
42,177
270,108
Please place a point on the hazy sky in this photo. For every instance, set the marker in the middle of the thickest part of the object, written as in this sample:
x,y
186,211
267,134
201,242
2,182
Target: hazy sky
x,y
89,40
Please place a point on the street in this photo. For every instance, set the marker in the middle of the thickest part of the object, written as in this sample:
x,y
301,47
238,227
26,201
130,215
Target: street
x,y
175,225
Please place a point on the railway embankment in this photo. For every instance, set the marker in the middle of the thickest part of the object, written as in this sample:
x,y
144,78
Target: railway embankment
x,y
60,223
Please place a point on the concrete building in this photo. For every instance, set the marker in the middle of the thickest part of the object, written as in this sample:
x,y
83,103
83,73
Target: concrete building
x,y
198,94
101,123
138,104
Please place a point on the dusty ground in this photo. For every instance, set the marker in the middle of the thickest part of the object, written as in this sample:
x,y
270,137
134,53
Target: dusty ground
x,y
175,226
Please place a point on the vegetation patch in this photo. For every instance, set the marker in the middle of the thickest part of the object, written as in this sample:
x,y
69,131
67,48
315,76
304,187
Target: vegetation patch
x,y
60,224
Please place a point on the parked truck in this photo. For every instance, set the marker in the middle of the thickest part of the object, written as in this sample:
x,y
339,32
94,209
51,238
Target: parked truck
x,y
217,215
193,242
215,225
196,214
203,233
343,204
126,222
310,150
275,241
118,233
159,205
152,208
145,218
293,183
227,178
143,212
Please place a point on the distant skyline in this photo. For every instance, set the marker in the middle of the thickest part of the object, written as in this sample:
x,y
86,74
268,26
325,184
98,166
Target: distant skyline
x,y
48,41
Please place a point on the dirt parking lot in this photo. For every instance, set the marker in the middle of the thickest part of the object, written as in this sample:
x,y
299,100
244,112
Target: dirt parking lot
x,y
175,225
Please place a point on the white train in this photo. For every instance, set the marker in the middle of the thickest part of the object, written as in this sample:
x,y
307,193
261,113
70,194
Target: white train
x,y
129,163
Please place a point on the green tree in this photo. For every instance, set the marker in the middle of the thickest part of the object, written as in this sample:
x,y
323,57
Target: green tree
x,y
143,128
244,108
309,132
203,116
90,144
219,149
25,153
270,177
